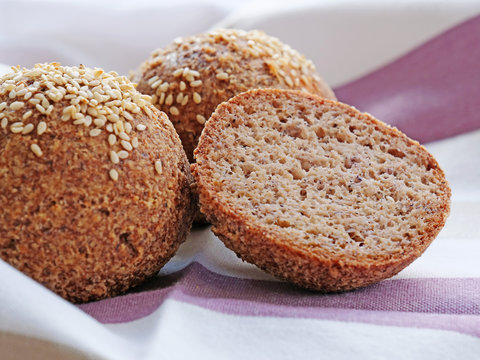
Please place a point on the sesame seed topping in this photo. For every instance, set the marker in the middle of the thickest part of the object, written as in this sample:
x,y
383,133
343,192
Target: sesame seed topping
x,y
185,100
126,145
201,119
222,76
114,157
41,127
122,154
104,100
95,132
28,129
158,166
112,139
27,115
174,110
36,150
179,98
162,98
17,105
177,73
196,83
113,174
182,86
169,100
99,122
122,135
197,99
164,87
135,142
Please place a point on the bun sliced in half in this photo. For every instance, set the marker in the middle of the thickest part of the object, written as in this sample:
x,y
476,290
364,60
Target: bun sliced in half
x,y
315,192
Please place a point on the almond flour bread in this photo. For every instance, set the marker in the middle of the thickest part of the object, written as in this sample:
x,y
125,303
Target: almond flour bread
x,y
315,192
95,187
191,76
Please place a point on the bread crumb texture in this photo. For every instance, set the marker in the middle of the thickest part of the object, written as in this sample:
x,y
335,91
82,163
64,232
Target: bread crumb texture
x,y
316,192
191,76
85,210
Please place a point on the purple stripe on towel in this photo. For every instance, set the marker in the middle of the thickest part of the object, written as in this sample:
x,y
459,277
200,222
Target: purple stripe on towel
x,y
452,304
431,93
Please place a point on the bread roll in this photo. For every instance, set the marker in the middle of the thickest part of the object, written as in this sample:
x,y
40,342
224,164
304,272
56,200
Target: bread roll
x,y
315,192
94,183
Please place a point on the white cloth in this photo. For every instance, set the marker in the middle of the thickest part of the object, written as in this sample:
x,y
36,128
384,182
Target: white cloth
x,y
345,39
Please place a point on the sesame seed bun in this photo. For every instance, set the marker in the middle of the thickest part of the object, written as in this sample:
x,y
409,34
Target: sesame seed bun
x,y
191,76
315,192
94,183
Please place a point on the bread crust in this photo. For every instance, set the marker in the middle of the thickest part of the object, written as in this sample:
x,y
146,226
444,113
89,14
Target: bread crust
x,y
269,247
68,225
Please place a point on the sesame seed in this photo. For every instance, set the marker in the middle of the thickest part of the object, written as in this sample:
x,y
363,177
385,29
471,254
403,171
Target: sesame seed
x,y
36,150
177,73
88,121
185,100
99,122
141,127
201,119
135,142
126,145
189,78
156,84
109,127
169,100
3,105
197,99
179,98
112,139
27,96
289,81
222,76
174,110
27,129
162,98
152,80
95,132
194,73
113,174
17,105
122,154
123,136
12,94
27,115
196,83
182,86
114,157
127,116
41,127
113,118
164,87
158,166
4,123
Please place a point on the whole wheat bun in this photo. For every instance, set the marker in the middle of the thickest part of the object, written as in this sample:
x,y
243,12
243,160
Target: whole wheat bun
x,y
95,187
315,192
192,75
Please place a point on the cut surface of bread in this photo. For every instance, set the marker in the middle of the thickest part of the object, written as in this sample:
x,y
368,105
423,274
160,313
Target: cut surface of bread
x,y
315,192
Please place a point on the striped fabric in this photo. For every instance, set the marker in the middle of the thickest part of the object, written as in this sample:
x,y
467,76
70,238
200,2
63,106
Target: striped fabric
x,y
206,303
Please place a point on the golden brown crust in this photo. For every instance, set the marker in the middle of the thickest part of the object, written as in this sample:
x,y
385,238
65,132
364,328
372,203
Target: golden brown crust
x,y
217,66
271,247
68,225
